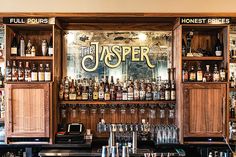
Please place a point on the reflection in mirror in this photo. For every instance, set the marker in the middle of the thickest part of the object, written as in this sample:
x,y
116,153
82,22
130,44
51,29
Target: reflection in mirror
x,y
121,54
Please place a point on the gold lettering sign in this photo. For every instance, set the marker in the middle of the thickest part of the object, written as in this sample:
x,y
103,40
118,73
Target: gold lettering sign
x,y
118,52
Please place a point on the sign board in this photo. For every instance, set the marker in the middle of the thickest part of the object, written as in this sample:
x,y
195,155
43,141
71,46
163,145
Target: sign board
x,y
205,20
28,20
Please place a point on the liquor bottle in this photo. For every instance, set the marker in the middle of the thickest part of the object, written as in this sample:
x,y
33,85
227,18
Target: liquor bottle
x,y
119,92
232,107
218,46
47,73
232,80
162,91
172,91
192,74
95,90
1,78
155,93
130,90
199,73
142,92
33,51
184,51
216,74
22,46
50,47
79,90
72,94
34,73
136,90
107,90
27,72
101,90
41,73
207,74
222,73
112,89
148,95
125,92
21,74
90,89
14,46
28,50
85,90
167,91
185,73
14,71
8,71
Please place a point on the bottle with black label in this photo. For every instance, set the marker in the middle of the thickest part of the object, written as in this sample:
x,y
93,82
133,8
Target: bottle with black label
x,y
41,73
8,71
34,73
14,46
21,74
14,71
50,47
218,46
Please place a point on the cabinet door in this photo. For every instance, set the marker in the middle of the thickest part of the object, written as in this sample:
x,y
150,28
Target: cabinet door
x,y
204,110
27,110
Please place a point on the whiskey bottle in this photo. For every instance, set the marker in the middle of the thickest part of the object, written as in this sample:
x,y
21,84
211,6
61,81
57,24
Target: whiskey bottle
x,y
218,46
107,90
47,73
162,91
79,90
155,93
136,90
72,94
167,90
90,89
185,73
142,92
27,72
172,91
14,71
125,92
192,74
85,90
148,94
34,73
33,51
8,71
232,80
130,90
41,73
21,74
1,78
112,89
119,92
50,47
101,90
222,74
207,74
95,90
199,73
14,46
216,74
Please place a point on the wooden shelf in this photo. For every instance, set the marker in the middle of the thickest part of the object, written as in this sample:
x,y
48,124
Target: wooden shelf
x,y
204,82
31,58
210,58
115,102
24,82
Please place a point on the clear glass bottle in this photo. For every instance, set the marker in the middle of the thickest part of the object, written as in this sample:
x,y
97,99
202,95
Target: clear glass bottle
x,y
28,50
14,71
222,74
8,71
216,74
130,90
41,73
21,75
34,73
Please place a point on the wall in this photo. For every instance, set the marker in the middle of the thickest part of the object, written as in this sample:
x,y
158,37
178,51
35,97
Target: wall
x,y
159,6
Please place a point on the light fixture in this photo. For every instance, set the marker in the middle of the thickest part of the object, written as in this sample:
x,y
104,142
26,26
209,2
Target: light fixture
x,y
142,36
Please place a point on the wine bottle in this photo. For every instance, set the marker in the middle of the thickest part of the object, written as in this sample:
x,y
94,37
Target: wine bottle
x,y
218,46
14,46
50,47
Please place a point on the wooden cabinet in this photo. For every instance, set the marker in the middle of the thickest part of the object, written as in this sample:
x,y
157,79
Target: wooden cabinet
x,y
27,110
204,109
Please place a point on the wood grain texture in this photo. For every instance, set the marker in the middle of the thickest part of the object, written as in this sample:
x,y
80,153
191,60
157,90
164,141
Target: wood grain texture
x,y
203,110
28,110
